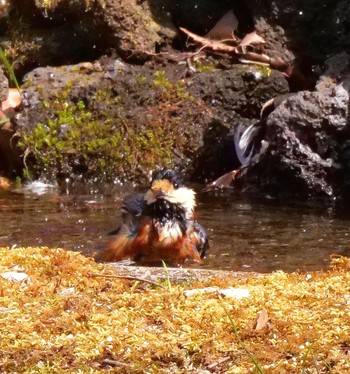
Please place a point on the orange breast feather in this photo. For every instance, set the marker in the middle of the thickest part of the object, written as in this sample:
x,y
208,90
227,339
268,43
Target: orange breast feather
x,y
152,244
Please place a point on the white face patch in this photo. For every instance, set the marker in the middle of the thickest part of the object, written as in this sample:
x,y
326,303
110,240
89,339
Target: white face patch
x,y
183,196
169,233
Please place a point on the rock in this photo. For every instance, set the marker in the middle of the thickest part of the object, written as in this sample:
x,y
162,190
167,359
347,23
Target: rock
x,y
64,32
133,30
10,156
176,274
305,147
68,291
131,119
201,16
235,96
308,32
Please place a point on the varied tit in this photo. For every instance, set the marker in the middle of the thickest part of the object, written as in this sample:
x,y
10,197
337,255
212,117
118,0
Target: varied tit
x,y
160,224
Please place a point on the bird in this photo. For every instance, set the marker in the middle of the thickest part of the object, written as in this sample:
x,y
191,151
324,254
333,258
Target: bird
x,y
159,224
248,140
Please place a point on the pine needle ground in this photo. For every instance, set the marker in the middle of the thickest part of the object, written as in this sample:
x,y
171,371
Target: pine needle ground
x,y
61,319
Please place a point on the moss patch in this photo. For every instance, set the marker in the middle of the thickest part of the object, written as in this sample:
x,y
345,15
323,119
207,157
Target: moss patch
x,y
121,131
51,4
61,319
75,141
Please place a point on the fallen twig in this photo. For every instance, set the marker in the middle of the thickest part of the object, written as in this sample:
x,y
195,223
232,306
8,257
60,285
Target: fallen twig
x,y
218,362
95,275
240,50
212,44
110,362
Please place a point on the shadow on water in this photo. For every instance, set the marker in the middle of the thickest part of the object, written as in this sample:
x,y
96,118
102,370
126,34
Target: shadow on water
x,y
245,234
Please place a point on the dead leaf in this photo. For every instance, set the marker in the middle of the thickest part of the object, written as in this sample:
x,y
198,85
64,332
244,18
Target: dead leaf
x,y
262,320
3,116
5,123
241,50
14,100
224,28
223,181
212,44
252,38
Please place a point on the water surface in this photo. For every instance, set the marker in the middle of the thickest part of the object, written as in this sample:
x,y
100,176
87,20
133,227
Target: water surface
x,y
245,235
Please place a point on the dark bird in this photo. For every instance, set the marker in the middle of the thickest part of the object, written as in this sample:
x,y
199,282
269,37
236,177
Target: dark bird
x,y
160,224
248,141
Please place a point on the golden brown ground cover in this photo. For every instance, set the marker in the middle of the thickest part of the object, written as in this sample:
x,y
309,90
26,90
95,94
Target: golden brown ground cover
x,y
61,319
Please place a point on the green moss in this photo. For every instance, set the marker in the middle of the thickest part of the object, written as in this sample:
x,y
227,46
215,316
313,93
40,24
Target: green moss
x,y
204,67
108,135
265,71
140,78
169,90
74,69
75,140
161,81
51,4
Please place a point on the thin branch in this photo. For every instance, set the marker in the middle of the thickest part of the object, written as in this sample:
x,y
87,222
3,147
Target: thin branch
x,y
95,275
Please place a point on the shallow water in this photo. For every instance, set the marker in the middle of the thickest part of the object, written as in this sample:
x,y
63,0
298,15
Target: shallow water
x,y
245,235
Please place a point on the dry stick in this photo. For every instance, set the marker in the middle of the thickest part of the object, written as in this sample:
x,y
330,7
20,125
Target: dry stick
x,y
218,362
95,275
110,362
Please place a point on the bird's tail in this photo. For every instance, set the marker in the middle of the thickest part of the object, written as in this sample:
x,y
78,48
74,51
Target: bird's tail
x,y
117,249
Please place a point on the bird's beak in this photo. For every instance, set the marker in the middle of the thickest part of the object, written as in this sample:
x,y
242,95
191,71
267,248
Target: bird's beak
x,y
158,192
161,188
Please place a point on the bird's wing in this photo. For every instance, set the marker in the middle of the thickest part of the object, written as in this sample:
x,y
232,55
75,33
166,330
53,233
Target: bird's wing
x,y
245,142
200,237
131,211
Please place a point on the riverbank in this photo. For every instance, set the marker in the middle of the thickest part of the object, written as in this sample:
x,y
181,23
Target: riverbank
x,y
59,314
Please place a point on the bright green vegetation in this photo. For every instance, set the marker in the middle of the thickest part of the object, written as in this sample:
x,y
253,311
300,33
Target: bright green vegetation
x,y
51,4
8,68
75,141
167,89
99,139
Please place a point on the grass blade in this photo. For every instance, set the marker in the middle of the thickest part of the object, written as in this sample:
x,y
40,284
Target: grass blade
x,y
168,281
255,361
9,68
4,120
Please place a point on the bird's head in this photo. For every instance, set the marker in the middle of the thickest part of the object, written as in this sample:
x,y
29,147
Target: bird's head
x,y
167,185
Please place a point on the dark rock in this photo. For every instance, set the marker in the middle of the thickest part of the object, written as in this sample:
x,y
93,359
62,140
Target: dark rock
x,y
309,30
153,118
68,32
133,30
11,163
201,16
305,148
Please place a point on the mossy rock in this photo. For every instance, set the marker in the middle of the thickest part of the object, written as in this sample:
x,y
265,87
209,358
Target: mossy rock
x,y
59,32
114,122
